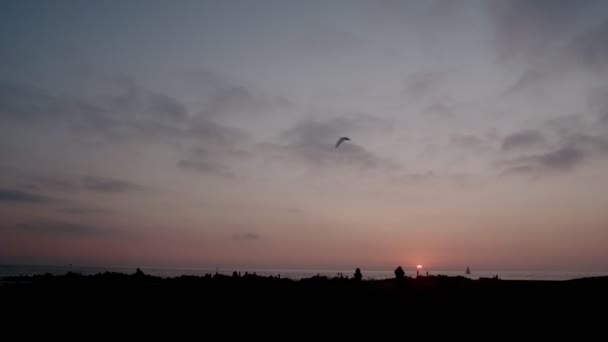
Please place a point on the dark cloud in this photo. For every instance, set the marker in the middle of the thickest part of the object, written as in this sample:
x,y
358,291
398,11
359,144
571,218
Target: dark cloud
x,y
246,236
523,139
217,100
108,185
55,183
417,177
206,167
562,159
164,105
59,228
292,210
21,102
12,195
590,144
138,114
441,108
422,83
138,103
575,147
550,37
533,29
567,125
313,142
84,211
590,48
234,100
329,130
135,114
598,103
326,40
29,186
72,183
155,105
211,162
322,154
529,78
445,9
466,141
524,170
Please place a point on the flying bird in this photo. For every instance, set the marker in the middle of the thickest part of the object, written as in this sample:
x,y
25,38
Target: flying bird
x,y
341,140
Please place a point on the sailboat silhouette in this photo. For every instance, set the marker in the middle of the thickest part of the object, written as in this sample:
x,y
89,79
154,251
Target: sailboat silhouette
x,y
468,270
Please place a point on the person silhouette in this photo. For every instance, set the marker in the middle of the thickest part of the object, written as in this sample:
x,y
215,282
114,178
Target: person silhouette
x,y
358,275
399,273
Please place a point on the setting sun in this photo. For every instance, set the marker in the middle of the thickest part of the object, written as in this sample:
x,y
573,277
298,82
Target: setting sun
x,y
419,266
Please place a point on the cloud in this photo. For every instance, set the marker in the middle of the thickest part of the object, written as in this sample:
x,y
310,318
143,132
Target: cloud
x,y
523,139
550,37
568,125
466,141
530,78
313,142
24,103
41,181
598,103
326,40
59,228
562,159
135,114
166,105
234,100
84,211
108,185
157,117
246,236
292,210
136,102
213,135
331,129
422,83
577,144
442,108
417,177
206,167
590,144
11,195
590,48
531,28
212,162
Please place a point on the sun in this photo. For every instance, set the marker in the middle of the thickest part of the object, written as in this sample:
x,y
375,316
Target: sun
x,y
419,266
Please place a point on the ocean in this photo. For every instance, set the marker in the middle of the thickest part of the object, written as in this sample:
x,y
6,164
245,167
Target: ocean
x,y
16,270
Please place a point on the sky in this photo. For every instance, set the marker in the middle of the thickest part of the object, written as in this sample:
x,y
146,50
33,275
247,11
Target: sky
x,y
202,133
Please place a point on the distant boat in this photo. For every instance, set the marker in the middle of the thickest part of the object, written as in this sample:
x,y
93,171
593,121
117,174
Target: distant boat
x,y
468,270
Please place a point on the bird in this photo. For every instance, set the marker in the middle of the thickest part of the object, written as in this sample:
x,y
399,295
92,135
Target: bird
x,y
342,139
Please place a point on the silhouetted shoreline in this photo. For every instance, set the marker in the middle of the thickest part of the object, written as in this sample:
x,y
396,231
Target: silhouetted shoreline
x,y
249,297
242,286
245,278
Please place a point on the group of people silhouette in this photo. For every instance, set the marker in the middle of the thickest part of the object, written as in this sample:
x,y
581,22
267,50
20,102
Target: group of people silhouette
x,y
399,274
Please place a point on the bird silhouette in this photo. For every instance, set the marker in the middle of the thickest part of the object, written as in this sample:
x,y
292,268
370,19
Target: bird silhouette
x,y
342,139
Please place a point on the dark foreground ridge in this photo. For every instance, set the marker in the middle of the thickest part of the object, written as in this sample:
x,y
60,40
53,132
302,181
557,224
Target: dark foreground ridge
x,y
252,287
251,296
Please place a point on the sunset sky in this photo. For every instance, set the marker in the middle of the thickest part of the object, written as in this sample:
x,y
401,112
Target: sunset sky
x,y
201,134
